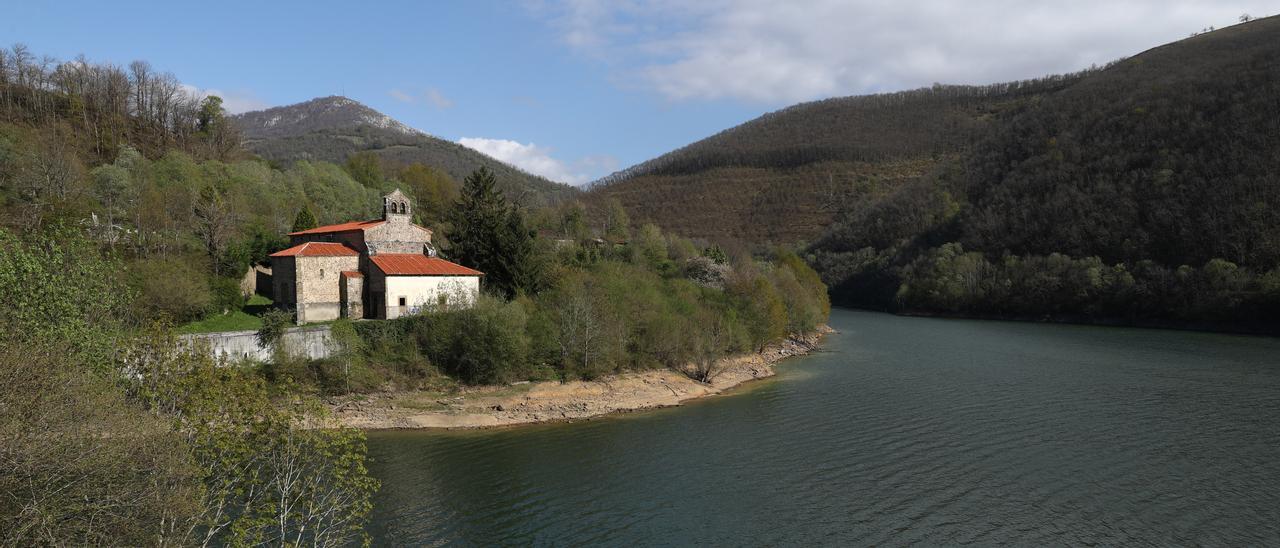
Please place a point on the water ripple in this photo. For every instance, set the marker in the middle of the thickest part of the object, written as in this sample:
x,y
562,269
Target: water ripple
x,y
908,431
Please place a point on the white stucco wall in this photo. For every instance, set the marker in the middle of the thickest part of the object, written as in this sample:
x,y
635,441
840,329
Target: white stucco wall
x,y
420,291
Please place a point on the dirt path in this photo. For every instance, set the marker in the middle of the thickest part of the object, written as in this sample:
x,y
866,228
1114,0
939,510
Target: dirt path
x,y
529,403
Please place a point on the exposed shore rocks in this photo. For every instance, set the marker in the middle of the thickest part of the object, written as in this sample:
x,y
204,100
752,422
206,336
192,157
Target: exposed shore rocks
x,y
531,403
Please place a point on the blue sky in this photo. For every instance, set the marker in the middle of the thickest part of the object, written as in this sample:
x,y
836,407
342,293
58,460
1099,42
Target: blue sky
x,y
579,88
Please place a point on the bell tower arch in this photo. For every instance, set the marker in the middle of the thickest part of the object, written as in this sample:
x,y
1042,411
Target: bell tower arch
x,y
397,208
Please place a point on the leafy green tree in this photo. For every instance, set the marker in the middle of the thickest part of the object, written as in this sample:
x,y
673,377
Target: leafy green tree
x,y
573,222
212,126
617,222
651,246
111,185
433,191
762,310
210,116
366,169
56,287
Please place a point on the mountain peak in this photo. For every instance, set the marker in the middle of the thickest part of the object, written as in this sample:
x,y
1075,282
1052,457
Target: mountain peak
x,y
331,113
335,127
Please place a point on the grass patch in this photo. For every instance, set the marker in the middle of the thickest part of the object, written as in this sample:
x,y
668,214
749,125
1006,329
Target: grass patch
x,y
234,321
237,320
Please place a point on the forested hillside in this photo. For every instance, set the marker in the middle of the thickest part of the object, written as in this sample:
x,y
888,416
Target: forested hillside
x,y
332,129
782,177
1146,190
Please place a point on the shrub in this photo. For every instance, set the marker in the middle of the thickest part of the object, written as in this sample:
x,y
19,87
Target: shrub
x,y
485,344
173,288
225,295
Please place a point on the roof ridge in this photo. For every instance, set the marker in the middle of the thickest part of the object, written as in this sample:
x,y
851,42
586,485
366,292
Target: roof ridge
x,y
339,227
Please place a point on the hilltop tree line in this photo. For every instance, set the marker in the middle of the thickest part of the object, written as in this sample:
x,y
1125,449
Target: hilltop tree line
x,y
927,121
103,106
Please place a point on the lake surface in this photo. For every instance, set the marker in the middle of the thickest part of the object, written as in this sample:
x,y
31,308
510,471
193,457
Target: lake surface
x,y
904,430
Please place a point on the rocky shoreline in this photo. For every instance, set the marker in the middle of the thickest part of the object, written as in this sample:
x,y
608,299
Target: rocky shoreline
x,y
552,401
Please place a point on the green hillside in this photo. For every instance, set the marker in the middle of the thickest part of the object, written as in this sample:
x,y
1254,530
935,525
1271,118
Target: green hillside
x,y
1145,191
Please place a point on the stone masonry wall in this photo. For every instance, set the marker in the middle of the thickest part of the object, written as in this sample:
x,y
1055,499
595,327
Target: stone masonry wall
x,y
353,296
397,237
319,294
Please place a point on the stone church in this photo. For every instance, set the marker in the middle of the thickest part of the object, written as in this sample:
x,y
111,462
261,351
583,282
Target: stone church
x,y
379,269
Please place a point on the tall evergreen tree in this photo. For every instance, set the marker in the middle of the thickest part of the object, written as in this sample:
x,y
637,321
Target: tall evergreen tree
x,y
305,220
490,235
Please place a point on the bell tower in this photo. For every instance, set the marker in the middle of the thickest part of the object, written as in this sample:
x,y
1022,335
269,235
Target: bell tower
x,y
396,208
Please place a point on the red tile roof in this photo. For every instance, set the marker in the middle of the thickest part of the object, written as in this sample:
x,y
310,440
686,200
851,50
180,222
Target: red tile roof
x,y
317,249
352,273
342,227
415,264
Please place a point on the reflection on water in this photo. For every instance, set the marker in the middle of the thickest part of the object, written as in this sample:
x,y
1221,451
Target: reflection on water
x,y
905,430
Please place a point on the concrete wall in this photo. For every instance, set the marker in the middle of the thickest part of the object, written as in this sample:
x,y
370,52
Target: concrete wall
x,y
313,342
420,291
319,290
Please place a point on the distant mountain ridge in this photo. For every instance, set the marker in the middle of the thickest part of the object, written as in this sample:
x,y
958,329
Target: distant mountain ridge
x,y
332,128
319,114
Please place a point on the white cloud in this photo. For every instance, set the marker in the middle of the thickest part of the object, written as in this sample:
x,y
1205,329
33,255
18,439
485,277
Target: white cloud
x,y
437,99
771,51
431,96
235,102
400,96
538,160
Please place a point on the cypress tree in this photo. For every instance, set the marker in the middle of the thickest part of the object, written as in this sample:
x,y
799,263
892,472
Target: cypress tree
x,y
305,220
490,235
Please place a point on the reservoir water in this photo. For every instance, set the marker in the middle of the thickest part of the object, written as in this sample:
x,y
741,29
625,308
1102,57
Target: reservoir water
x,y
902,430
